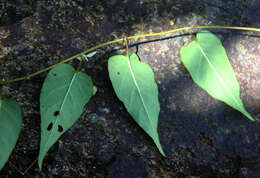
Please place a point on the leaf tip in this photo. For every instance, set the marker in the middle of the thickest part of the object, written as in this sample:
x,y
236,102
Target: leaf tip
x,y
40,163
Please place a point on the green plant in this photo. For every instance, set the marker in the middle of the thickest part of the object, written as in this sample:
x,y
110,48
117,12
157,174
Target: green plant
x,y
65,90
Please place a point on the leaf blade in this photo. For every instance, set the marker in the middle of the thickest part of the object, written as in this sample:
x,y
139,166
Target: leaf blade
x,y
10,128
206,60
63,97
134,84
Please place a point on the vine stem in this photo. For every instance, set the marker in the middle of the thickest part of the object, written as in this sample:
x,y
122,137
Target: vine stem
x,y
128,38
26,170
126,45
79,65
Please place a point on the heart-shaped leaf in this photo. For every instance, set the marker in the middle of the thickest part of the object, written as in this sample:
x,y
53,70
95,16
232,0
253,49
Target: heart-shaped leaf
x,y
10,127
63,97
206,60
134,84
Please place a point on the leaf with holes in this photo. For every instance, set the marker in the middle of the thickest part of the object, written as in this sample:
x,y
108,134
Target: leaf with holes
x,y
10,127
134,84
206,60
63,96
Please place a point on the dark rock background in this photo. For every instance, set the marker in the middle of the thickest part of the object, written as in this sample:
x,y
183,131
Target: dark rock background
x,y
202,137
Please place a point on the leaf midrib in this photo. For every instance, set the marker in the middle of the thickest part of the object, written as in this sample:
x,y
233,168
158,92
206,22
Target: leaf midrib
x,y
218,76
139,91
65,97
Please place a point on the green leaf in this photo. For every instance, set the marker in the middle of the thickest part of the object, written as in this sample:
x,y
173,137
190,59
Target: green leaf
x,y
134,84
206,60
63,96
10,127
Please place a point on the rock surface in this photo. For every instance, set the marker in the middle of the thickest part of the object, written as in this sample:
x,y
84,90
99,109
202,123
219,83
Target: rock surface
x,y
202,137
